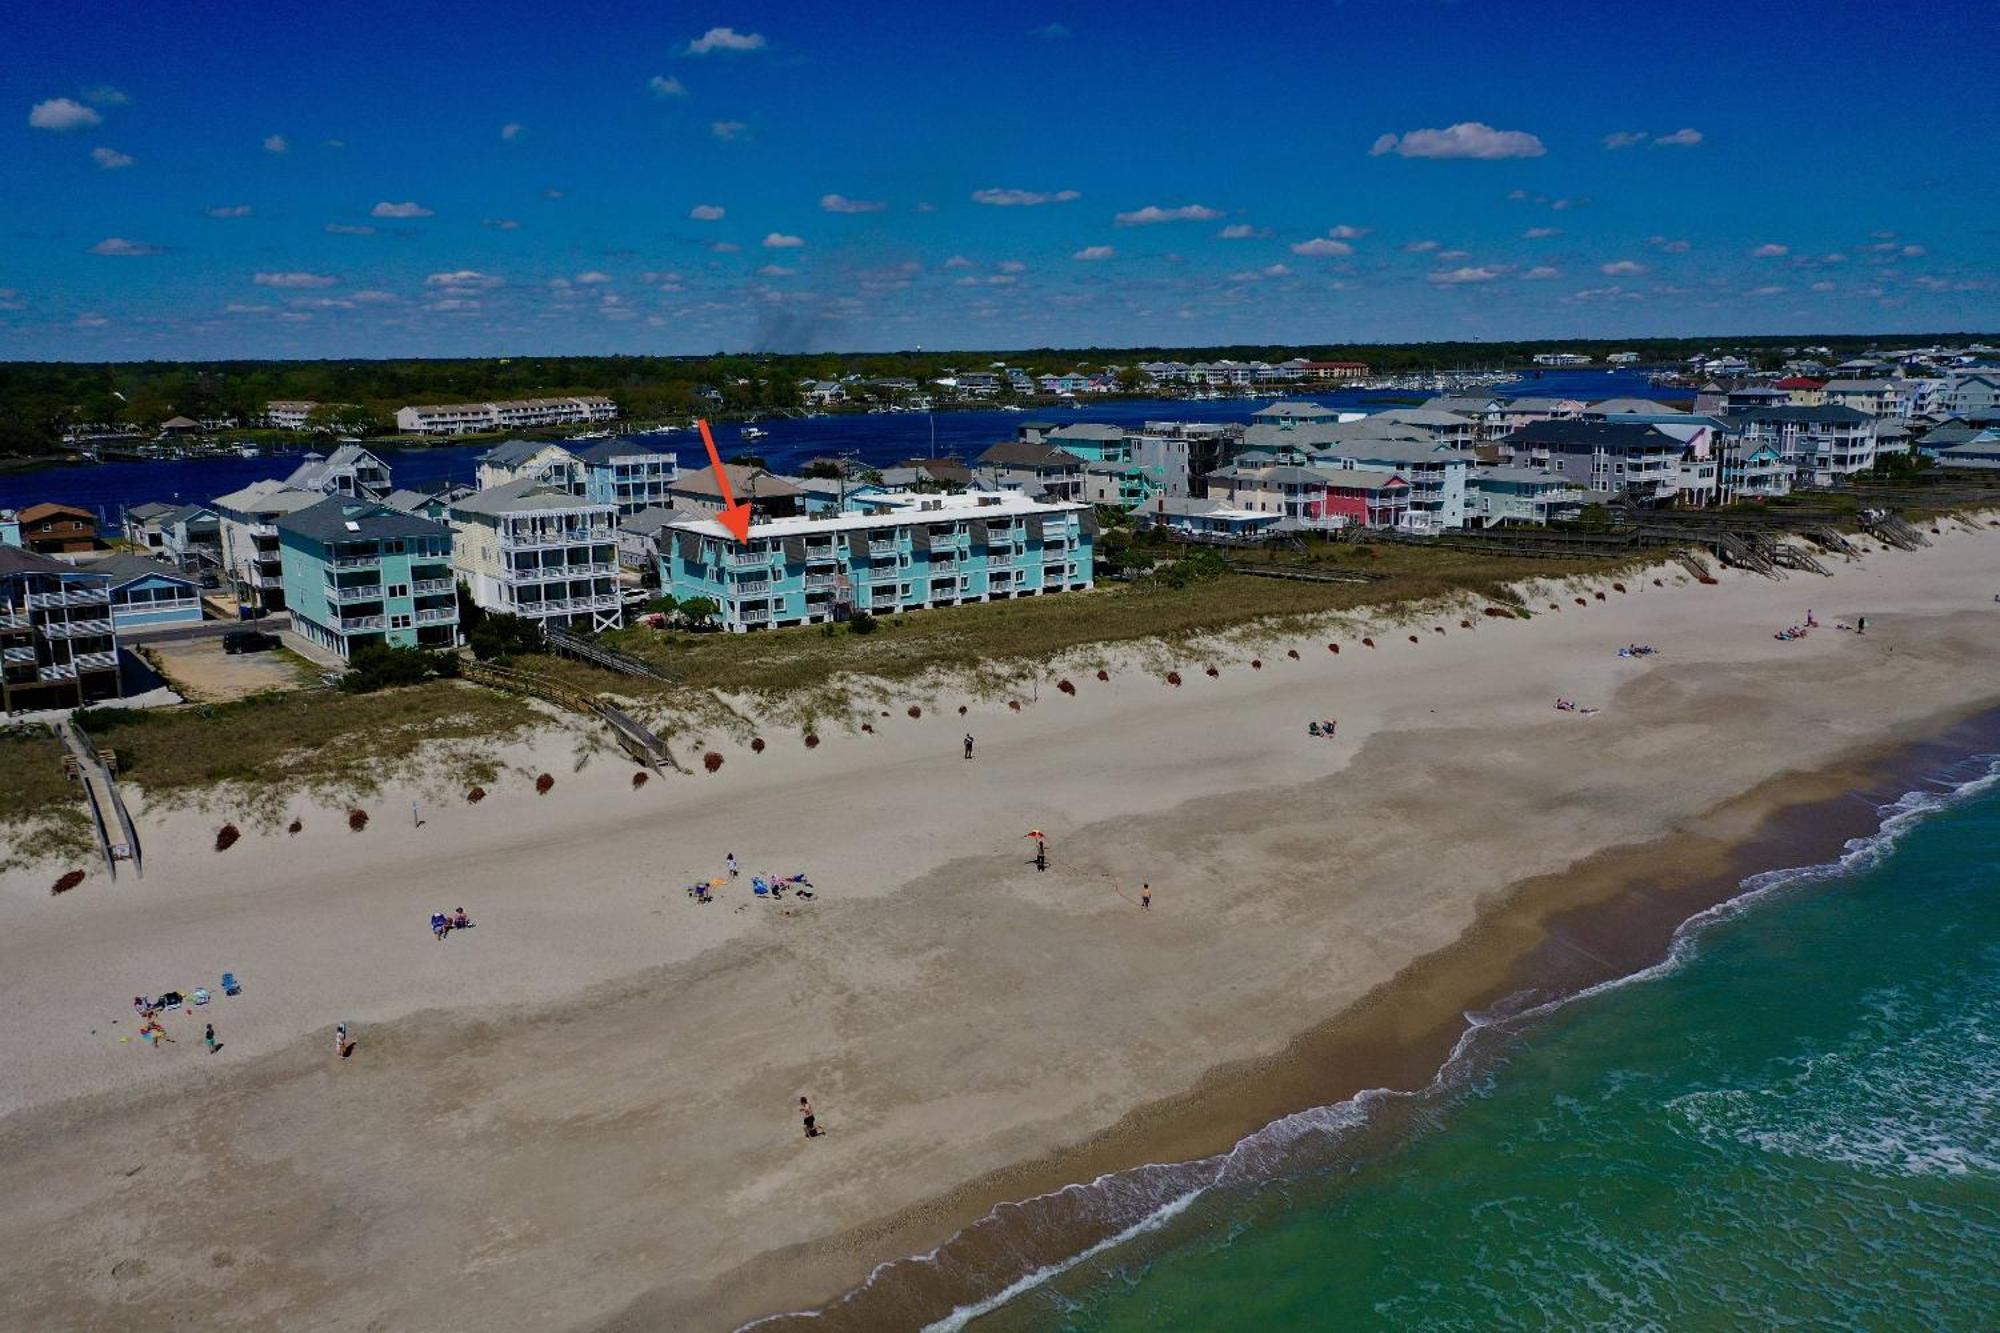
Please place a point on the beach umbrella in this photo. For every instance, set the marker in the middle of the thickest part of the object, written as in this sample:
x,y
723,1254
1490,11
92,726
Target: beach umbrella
x,y
1033,833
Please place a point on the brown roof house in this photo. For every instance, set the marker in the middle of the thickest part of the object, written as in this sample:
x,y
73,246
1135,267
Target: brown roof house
x,y
54,529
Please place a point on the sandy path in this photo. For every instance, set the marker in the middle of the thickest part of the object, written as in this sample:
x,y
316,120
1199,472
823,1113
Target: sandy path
x,y
538,1152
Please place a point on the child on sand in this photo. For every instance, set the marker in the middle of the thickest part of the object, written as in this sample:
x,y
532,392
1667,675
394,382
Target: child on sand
x,y
806,1115
208,1039
1146,897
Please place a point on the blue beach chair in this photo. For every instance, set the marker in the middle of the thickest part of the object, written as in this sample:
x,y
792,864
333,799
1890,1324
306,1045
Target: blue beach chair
x,y
230,985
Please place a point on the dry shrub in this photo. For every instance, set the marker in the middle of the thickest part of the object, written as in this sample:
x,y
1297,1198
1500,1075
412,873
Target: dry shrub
x,y
1173,678
1710,579
1438,628
1213,673
868,727
544,783
916,711
639,780
961,710
1066,687
711,761
1599,595
1103,674
1413,638
475,796
812,741
1554,607
1014,705
756,745
1292,653
1333,648
226,836
1581,602
1618,587
1658,584
1498,612
1465,624
1368,643
357,819
67,882
294,827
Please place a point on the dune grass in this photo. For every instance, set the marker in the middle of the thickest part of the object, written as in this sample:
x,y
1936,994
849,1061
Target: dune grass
x,y
42,813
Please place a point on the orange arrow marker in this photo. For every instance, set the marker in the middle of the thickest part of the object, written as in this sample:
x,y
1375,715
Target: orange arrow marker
x,y
734,516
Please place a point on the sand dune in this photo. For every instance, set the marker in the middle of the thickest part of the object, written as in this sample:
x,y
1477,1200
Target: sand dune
x,y
583,1106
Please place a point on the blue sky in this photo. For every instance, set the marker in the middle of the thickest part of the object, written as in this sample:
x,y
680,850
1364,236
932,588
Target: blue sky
x,y
280,179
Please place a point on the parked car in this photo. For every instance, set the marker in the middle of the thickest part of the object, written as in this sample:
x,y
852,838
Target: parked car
x,y
248,641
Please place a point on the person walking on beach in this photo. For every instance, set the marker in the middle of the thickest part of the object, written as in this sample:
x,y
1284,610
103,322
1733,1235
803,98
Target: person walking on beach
x,y
1861,622
806,1115
1145,897
1041,855
340,1042
730,861
968,745
208,1039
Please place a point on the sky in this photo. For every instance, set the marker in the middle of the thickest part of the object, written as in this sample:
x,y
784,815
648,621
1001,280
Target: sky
x,y
310,180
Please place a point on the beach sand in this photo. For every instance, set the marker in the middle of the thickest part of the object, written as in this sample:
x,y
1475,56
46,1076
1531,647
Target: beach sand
x,y
580,1114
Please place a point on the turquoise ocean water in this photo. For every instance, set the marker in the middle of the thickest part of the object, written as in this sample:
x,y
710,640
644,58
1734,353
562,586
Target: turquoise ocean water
x,y
1794,1122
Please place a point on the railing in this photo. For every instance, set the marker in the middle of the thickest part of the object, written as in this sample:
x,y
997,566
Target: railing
x,y
355,561
17,656
436,615
354,592
822,580
751,587
13,620
422,586
823,552
745,559
77,629
753,617
95,661
348,624
564,537
551,605
886,546
86,597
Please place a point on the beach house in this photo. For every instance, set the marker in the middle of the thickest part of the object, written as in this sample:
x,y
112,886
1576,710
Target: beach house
x,y
628,474
1199,518
1093,442
10,527
1820,444
289,413
504,414
767,494
1876,397
247,525
357,572
527,549
1039,471
1635,460
53,529
542,461
1292,413
146,594
58,646
141,527
1973,394
1314,498
929,551
1499,495
1752,469
349,470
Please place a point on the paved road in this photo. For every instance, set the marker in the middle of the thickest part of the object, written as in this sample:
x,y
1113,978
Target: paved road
x,y
207,629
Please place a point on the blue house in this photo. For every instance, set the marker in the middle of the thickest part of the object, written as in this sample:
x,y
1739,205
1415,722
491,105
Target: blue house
x,y
146,593
357,572
629,473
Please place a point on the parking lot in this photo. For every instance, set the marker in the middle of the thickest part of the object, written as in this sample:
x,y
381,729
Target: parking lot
x,y
200,670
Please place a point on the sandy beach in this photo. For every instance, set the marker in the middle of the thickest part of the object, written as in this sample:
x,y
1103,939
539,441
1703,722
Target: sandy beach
x,y
580,1113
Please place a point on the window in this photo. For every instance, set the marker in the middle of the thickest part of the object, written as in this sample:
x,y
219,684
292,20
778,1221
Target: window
x,y
399,622
398,590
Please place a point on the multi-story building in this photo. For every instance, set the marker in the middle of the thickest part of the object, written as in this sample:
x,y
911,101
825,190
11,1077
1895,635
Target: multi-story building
x,y
526,549
1819,444
1499,495
357,572
53,529
926,551
141,525
247,529
629,474
146,594
1315,498
1635,460
1091,441
1035,470
1181,453
1878,398
1972,395
768,495
58,646
1200,518
289,414
1334,370
1437,475
1293,414
1803,390
1561,359
349,470
1752,469
506,414
193,536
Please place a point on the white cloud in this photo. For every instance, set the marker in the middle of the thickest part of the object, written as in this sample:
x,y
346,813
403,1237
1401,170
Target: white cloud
x,y
552,193
1666,246
1458,277
1275,270
1822,286
90,321
1448,256
1322,246
725,39
119,246
10,299
1914,251
1517,194
1094,252
1771,290
840,203
1021,198
1539,273
349,229
61,113
924,206
1835,258
1419,247
1624,139
1468,139
241,308
407,209
373,296
1620,268
1049,32
1540,233
511,130
775,271
294,280
1011,266
1237,231
105,95
592,279
1678,139
230,211
725,247
451,303
727,130
1344,232
275,143
1611,293
666,85
1770,250
464,279
707,212
110,158
777,240
1153,213
500,224
958,261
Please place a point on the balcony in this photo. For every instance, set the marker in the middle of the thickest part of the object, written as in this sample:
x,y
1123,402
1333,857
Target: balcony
x,y
541,539
96,661
12,620
436,615
17,656
420,587
353,592
885,546
77,629
39,601
356,562
264,580
822,580
746,559
751,587
355,624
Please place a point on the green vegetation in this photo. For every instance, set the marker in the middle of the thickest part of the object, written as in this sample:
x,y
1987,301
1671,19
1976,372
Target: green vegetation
x,y
378,666
42,813
277,744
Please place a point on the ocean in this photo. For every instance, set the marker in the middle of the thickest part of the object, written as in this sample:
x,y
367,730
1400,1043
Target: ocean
x,y
875,440
1791,1120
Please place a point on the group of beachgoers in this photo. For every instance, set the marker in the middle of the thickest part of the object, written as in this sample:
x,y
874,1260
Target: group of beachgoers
x,y
1637,650
773,887
442,923
154,1033
1571,706
1811,623
1324,727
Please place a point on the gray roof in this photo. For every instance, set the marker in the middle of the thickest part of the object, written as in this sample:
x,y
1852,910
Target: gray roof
x,y
1019,453
520,496
340,518
1184,506
1501,472
1827,414
1859,386
603,451
511,453
268,497
128,568
1633,407
15,560
407,500
651,520
1088,430
1297,411
1397,451
745,483
1423,416
148,509
186,514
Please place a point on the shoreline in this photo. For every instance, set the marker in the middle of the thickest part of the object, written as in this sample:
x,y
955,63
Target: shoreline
x,y
1540,943
582,1107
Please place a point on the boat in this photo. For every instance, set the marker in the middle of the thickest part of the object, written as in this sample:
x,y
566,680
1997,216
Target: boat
x,y
248,451
754,432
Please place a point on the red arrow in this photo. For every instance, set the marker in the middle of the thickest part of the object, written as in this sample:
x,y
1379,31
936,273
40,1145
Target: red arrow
x,y
734,516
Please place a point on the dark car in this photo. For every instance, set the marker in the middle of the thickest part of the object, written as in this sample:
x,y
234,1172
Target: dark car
x,y
248,641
